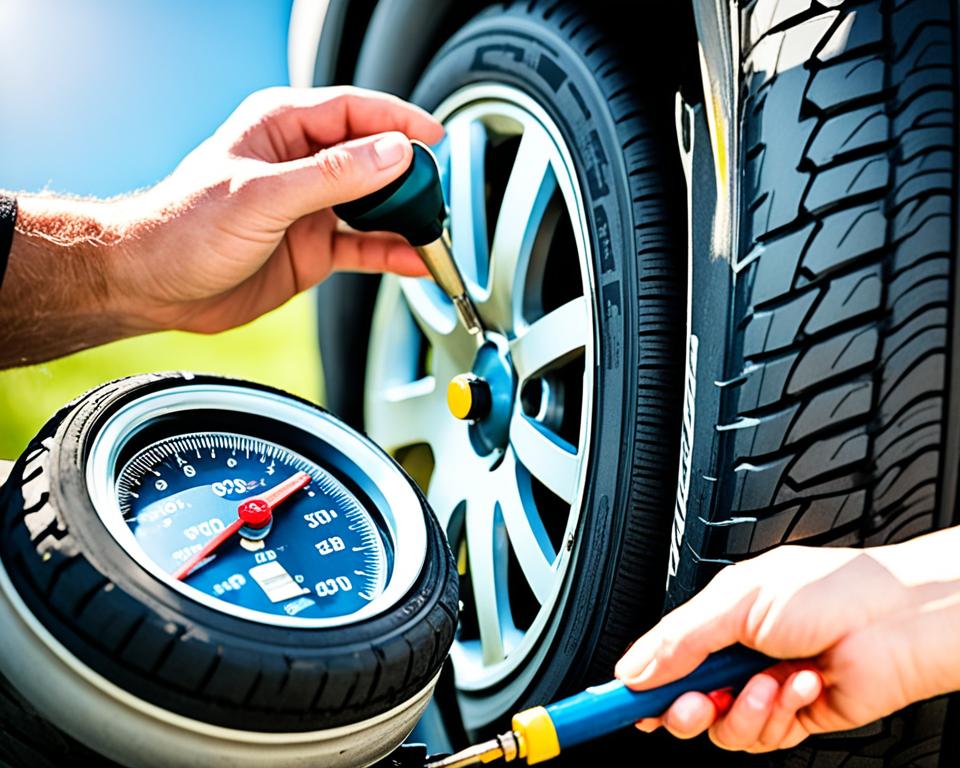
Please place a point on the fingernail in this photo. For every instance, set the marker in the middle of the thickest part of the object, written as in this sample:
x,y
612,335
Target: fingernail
x,y
635,674
389,149
806,683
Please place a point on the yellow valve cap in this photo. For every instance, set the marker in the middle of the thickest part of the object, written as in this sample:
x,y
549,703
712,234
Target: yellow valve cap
x,y
537,736
468,396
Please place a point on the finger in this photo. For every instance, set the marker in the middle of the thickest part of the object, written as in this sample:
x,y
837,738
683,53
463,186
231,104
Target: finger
x,y
690,715
799,690
709,621
372,253
721,701
327,116
335,175
648,724
741,727
794,735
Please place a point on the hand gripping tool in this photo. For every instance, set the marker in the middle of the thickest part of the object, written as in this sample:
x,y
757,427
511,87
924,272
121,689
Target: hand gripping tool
x,y
541,733
412,205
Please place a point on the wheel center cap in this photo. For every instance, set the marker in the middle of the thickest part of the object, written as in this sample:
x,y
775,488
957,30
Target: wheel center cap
x,y
484,396
468,397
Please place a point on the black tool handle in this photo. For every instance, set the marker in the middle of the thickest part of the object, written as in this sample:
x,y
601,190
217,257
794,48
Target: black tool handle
x,y
411,205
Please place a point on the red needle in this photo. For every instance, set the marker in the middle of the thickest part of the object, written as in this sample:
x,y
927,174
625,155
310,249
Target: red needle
x,y
255,512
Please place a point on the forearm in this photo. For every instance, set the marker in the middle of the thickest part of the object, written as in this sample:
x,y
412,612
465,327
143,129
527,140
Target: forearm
x,y
929,566
57,296
925,562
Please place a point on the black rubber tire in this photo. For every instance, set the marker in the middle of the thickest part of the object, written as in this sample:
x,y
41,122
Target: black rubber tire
x,y
839,406
29,740
171,651
344,313
620,133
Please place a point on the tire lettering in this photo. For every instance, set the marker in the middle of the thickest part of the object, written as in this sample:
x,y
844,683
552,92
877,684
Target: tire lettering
x,y
604,244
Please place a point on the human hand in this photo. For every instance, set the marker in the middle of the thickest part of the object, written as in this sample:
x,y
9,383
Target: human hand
x,y
244,222
240,226
868,632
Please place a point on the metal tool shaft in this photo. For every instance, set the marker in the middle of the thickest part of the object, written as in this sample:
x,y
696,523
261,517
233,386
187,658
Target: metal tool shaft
x,y
438,258
412,205
505,746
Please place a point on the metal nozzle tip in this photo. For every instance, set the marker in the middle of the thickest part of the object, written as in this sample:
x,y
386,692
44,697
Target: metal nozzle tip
x,y
504,746
479,753
468,315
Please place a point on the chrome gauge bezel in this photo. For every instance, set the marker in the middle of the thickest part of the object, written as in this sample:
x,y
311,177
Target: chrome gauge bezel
x,y
398,504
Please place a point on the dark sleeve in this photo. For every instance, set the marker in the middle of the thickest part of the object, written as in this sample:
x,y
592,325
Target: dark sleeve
x,y
8,218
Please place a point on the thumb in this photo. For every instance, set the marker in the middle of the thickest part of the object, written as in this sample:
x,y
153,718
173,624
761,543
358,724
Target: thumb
x,y
337,174
709,621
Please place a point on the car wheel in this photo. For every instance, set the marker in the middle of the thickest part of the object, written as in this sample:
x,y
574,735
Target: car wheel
x,y
563,181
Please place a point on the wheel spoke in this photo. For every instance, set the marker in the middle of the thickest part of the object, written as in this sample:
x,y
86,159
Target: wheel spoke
x,y
435,316
528,537
547,456
405,414
445,493
525,201
484,549
551,340
468,214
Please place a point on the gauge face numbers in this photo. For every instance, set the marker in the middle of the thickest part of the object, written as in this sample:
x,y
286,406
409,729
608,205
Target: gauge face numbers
x,y
322,556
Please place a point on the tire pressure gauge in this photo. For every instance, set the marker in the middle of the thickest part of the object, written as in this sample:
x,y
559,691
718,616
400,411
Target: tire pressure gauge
x,y
226,574
178,502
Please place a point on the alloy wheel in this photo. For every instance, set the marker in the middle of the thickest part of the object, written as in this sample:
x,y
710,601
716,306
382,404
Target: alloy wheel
x,y
508,487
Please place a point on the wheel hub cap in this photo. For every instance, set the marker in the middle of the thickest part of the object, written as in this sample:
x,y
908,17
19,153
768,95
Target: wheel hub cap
x,y
485,397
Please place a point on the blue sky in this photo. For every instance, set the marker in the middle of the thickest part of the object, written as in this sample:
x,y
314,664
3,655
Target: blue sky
x,y
105,96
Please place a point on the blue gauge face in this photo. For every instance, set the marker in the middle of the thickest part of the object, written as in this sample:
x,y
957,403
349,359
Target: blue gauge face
x,y
321,554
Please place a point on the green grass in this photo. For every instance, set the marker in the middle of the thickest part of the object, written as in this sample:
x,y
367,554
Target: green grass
x,y
278,349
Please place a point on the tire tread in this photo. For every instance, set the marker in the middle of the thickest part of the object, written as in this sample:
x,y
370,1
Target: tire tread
x,y
837,384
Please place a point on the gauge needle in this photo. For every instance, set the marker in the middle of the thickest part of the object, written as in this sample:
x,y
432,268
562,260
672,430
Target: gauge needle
x,y
255,511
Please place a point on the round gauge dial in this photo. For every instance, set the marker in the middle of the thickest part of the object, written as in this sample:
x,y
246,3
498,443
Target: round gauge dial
x,y
251,524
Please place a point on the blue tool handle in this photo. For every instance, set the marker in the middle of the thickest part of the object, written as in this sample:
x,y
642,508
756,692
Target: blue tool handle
x,y
605,708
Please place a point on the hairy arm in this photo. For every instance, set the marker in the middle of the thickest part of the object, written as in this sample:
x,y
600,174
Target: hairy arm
x,y
56,296
242,225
